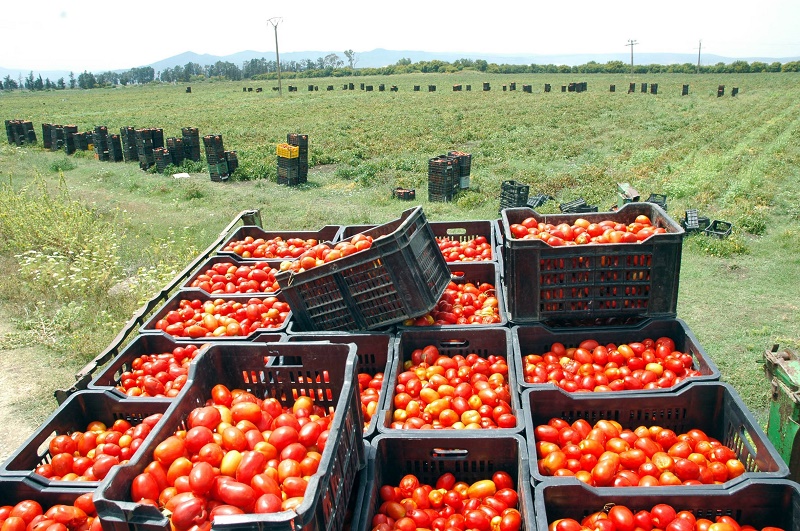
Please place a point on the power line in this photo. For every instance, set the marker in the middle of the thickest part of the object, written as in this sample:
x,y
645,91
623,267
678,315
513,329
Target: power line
x,y
632,43
275,21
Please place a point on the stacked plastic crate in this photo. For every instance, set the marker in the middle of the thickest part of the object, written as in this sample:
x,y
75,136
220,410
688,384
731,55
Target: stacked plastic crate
x,y
301,141
215,157
100,142
443,178
288,164
622,404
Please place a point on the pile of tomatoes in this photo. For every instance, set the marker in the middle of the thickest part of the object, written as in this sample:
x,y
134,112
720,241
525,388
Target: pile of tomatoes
x,y
369,388
89,455
486,504
462,304
158,375
435,391
323,253
220,317
238,455
649,364
227,277
276,247
29,515
583,232
661,516
476,249
606,455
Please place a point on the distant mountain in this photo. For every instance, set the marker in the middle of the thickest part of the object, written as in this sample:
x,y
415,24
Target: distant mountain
x,y
380,57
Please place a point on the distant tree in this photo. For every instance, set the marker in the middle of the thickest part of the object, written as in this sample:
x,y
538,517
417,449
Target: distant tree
x,y
792,66
29,81
351,58
72,80
87,80
60,85
481,65
405,61
9,84
739,67
48,85
774,67
333,61
758,66
38,84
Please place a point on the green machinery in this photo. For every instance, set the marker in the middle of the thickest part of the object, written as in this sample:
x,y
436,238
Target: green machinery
x,y
782,368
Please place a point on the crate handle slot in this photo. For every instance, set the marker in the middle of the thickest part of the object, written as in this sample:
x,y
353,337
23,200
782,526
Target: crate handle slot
x,y
454,343
456,231
457,275
449,453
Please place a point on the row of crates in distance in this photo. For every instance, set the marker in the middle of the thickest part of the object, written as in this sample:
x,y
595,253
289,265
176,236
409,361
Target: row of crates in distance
x,y
20,132
448,174
147,146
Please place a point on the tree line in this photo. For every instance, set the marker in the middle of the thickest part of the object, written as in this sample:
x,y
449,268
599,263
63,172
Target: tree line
x,y
333,66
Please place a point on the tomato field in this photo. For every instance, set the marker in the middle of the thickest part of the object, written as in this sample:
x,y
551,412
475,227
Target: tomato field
x,y
85,243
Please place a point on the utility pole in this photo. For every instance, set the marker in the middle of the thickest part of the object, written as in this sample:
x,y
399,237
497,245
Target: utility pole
x,y
632,43
699,47
275,21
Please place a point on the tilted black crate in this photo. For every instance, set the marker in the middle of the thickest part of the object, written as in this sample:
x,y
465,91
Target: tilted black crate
x,y
402,275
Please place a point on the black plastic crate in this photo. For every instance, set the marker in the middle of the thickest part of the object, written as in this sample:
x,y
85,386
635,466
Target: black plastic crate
x,y
718,228
513,194
538,200
173,303
297,139
401,276
577,206
272,265
463,341
75,414
537,339
713,407
325,371
465,231
659,199
404,194
692,222
261,239
145,344
758,503
579,282
375,353
429,456
476,273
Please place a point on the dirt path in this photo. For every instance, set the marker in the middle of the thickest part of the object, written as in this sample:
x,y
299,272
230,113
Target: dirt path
x,y
22,373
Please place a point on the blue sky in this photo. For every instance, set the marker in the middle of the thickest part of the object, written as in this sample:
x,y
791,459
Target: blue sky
x,y
78,34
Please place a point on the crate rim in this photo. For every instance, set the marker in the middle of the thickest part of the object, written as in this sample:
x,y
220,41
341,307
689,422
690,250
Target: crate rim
x,y
782,471
713,376
148,327
385,413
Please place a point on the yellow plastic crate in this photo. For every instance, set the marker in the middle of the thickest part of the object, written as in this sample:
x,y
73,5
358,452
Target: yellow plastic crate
x,y
288,152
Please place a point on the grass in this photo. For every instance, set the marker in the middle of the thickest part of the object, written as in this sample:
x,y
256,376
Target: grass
x,y
736,159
